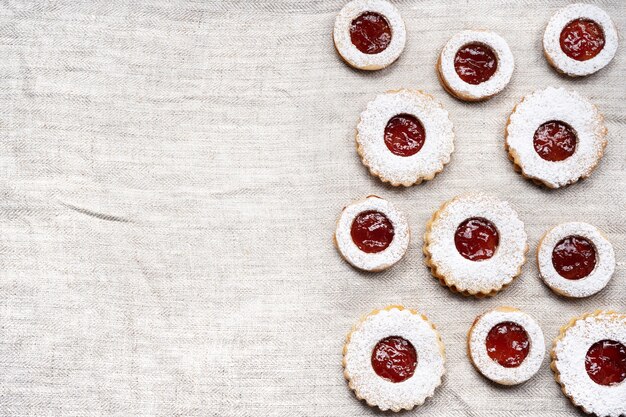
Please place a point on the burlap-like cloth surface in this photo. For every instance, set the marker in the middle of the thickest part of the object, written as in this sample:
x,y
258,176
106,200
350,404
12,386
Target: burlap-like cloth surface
x,y
170,177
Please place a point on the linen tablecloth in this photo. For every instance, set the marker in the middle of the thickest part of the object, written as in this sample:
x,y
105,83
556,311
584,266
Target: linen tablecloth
x,y
170,177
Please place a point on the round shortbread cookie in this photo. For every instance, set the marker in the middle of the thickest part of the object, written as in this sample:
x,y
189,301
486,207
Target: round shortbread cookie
x,y
373,137
569,109
553,49
604,263
343,40
452,81
478,353
570,354
475,277
368,385
379,260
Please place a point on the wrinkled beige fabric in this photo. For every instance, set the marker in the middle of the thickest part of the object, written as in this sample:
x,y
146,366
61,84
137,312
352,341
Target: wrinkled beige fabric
x,y
171,173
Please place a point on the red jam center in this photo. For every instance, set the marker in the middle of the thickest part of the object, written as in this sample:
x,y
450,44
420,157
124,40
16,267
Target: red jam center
x,y
555,141
476,239
394,358
606,362
404,135
582,39
508,344
475,63
574,257
372,231
370,33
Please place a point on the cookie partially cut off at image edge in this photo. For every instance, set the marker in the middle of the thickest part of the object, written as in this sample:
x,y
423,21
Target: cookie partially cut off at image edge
x,y
590,403
373,389
447,281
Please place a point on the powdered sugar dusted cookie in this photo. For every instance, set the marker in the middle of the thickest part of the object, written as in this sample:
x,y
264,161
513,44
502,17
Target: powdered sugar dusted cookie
x,y
475,65
555,137
475,244
405,137
369,34
580,39
372,234
589,362
394,359
575,259
506,345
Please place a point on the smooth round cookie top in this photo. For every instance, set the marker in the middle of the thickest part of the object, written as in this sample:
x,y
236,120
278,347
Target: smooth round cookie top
x,y
575,259
475,65
580,39
369,34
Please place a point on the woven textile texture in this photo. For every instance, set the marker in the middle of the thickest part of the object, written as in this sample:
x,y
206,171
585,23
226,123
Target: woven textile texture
x,y
170,177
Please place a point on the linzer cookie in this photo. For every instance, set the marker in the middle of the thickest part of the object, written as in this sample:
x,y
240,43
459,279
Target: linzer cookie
x,y
369,34
580,39
372,234
394,359
575,259
555,137
589,362
506,345
475,244
405,137
475,65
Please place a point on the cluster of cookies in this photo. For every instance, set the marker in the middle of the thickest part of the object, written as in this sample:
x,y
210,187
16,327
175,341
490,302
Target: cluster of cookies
x,y
476,244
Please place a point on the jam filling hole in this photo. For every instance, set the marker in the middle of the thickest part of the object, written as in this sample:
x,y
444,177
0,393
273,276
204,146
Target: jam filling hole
x,y
370,32
605,362
372,231
404,135
555,141
582,39
394,359
476,239
475,63
574,257
508,344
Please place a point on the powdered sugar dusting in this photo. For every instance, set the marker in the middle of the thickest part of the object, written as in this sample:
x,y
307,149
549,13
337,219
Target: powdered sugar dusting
x,y
350,53
569,355
552,45
594,282
562,105
372,261
400,170
492,369
464,274
493,85
394,321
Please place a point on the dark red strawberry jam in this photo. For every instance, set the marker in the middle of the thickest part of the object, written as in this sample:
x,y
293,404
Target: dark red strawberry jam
x,y
370,33
555,141
475,63
606,362
582,39
372,231
476,239
508,344
394,358
404,135
574,257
